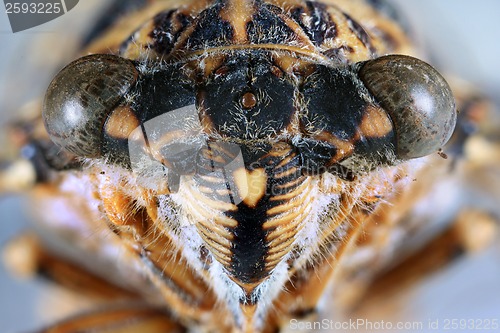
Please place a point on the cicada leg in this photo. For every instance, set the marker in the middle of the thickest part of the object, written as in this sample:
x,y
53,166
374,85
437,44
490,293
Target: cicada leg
x,y
474,151
27,257
100,241
123,319
469,213
471,232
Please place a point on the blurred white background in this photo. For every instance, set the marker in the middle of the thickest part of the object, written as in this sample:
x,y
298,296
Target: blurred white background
x,y
462,38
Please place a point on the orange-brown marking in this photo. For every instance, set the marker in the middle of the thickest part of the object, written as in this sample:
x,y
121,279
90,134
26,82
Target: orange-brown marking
x,y
238,13
279,49
291,204
213,204
217,226
121,123
290,64
375,123
281,221
223,241
249,313
296,192
344,148
211,64
287,173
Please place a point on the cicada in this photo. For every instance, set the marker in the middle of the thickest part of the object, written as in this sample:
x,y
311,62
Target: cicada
x,y
237,165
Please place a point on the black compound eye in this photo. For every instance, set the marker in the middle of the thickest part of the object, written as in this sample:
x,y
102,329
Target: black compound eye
x,y
418,100
81,97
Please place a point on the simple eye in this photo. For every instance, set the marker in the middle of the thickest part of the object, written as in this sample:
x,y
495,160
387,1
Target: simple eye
x,y
81,97
418,100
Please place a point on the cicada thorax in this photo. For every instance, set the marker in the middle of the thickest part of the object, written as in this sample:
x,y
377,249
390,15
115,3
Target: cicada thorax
x,y
312,29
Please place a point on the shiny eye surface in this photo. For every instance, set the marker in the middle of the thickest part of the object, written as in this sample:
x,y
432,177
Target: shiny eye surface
x,y
418,100
81,97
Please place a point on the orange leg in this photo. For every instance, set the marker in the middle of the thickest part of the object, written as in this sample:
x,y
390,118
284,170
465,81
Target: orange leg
x,y
26,256
123,319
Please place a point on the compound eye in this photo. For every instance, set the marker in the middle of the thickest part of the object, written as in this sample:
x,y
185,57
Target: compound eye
x,y
81,97
418,100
